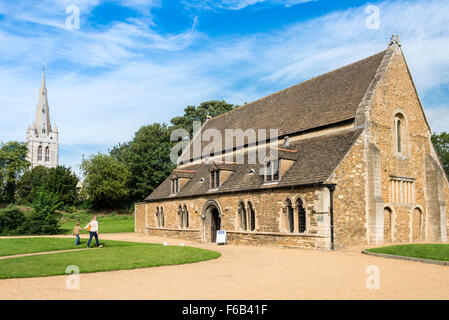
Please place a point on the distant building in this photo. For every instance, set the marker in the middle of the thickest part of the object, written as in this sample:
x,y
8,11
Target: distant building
x,y
353,165
42,139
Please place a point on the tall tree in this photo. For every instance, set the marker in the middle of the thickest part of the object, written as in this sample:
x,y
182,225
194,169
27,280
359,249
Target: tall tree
x,y
12,164
211,108
147,157
441,144
105,181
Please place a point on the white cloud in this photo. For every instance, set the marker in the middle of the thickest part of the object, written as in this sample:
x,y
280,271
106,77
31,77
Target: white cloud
x,y
140,76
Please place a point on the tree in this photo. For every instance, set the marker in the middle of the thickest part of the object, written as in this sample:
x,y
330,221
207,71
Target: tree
x,y
441,144
60,181
105,181
12,164
147,157
43,219
29,182
211,108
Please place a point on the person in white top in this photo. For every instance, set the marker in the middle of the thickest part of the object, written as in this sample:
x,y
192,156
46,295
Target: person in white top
x,y
93,231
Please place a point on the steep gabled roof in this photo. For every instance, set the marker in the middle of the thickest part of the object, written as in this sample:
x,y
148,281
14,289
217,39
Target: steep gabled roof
x,y
315,160
324,100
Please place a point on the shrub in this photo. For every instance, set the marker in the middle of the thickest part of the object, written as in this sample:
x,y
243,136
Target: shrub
x,y
11,219
43,219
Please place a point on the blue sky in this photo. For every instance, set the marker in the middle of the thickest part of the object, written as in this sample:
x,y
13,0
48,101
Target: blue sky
x,y
135,62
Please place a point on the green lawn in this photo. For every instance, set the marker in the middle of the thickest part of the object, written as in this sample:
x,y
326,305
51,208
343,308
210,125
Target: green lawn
x,y
114,256
13,246
424,251
110,223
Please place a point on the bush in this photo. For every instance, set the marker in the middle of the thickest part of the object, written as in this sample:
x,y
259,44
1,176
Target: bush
x,y
43,219
11,219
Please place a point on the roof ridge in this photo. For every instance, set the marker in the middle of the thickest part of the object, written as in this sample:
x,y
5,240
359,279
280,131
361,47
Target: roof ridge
x,y
298,84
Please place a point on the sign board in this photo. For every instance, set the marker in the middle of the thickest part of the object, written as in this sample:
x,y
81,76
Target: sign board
x,y
221,237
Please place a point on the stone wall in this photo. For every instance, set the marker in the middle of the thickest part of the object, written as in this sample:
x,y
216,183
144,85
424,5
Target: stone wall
x,y
350,220
269,211
396,94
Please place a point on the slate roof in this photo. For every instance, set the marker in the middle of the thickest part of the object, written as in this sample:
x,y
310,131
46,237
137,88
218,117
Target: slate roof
x,y
324,100
315,160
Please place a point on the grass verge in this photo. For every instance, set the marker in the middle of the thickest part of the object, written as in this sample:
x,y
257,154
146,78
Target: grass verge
x,y
116,255
436,251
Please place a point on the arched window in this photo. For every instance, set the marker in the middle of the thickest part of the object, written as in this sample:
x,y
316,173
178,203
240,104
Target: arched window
x,y
162,218
39,153
47,154
290,219
252,217
180,223
242,216
158,218
400,133
301,215
186,217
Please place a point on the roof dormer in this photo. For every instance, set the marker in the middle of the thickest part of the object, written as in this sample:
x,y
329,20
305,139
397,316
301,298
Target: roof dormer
x,y
219,173
179,178
277,162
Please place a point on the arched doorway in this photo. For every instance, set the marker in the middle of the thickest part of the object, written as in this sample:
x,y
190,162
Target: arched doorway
x,y
211,221
388,225
417,225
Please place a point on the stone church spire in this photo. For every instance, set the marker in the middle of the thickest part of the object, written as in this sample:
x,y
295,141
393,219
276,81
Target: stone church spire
x,y
42,140
42,123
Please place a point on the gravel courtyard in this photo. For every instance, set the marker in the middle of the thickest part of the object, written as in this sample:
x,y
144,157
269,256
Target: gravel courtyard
x,y
247,273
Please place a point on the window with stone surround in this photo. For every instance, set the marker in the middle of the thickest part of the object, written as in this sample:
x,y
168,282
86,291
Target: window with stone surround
x,y
215,179
180,218
47,154
158,218
252,217
242,216
400,135
401,190
175,185
185,218
39,153
162,217
272,171
301,216
289,216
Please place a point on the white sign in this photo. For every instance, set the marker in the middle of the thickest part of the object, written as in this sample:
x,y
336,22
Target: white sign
x,y
221,236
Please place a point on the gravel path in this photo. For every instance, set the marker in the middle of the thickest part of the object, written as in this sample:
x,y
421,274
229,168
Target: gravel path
x,y
247,273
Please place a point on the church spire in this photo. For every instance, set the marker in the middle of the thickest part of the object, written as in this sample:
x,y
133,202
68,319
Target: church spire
x,y
42,110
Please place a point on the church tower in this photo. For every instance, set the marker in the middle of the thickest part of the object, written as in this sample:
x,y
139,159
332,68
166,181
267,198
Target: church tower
x,y
42,139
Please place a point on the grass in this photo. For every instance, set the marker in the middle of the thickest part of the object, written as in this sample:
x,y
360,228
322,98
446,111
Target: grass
x,y
110,223
425,251
116,255
14,246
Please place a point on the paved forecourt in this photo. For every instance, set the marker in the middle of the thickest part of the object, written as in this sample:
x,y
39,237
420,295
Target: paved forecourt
x,y
248,273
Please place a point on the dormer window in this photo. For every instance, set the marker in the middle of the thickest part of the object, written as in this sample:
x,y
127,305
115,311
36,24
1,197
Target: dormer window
x,y
175,185
215,179
272,170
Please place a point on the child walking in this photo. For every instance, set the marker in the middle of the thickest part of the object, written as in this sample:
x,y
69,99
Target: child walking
x,y
76,233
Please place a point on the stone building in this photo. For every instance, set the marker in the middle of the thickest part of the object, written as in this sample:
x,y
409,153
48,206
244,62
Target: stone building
x,y
352,164
41,137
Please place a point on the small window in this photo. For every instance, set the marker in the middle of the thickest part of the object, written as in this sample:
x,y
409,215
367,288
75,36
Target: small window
x,y
180,218
398,135
47,154
272,171
162,218
39,153
242,216
252,217
290,217
174,185
185,218
301,216
215,179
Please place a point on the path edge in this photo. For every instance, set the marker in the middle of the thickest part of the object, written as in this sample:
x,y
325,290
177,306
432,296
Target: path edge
x,y
392,256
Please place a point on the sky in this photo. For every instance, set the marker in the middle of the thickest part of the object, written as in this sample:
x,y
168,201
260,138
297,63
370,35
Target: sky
x,y
114,66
